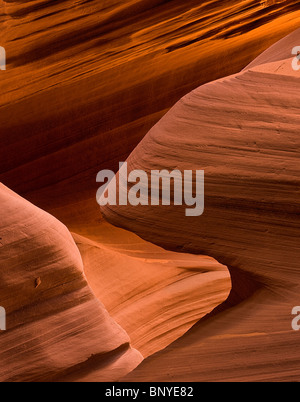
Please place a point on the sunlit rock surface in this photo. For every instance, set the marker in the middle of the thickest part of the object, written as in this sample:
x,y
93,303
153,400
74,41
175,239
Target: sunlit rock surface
x,y
85,81
56,328
242,130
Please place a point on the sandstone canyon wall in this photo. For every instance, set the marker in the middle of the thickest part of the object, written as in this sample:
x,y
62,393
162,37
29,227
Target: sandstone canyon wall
x,y
242,130
84,83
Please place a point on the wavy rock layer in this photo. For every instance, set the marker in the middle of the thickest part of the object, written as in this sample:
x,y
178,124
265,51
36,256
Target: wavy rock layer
x,y
155,295
96,75
85,81
243,131
56,328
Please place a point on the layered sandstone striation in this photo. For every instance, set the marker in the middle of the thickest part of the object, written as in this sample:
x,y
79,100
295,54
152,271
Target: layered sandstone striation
x,y
242,130
56,328
68,308
88,79
155,295
85,81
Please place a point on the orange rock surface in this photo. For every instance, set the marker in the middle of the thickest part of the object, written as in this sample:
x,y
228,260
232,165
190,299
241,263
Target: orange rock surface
x,y
58,330
84,83
242,131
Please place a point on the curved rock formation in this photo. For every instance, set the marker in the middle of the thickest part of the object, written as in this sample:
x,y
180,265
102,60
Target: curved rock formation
x,y
242,130
56,328
155,295
85,81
